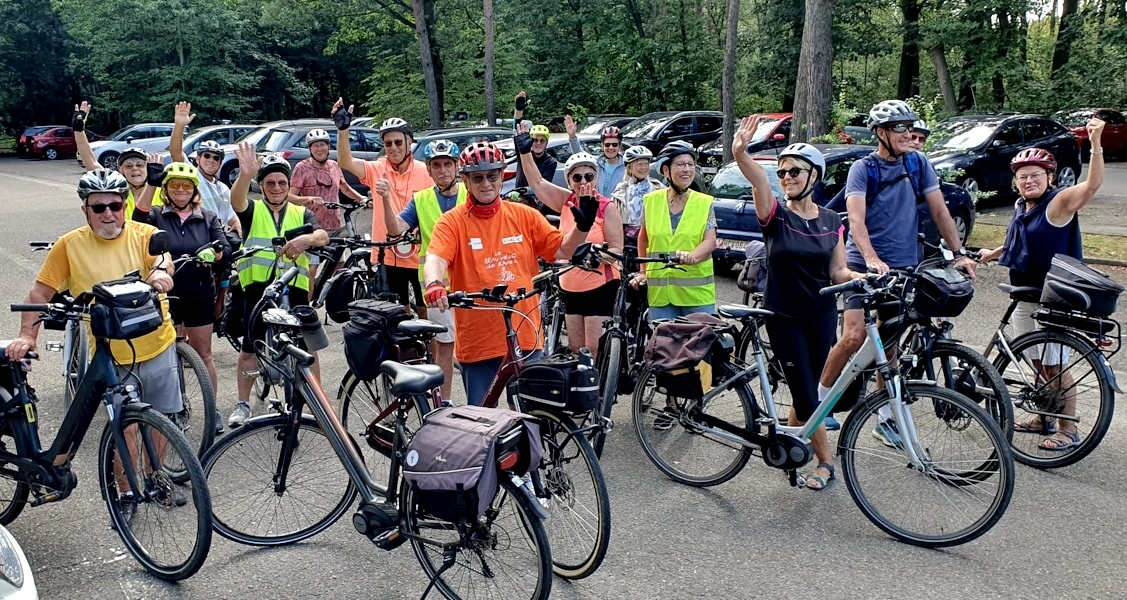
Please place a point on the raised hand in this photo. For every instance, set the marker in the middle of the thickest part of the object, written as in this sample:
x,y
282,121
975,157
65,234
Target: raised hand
x,y
248,160
744,134
341,117
81,113
521,102
184,115
570,126
1095,129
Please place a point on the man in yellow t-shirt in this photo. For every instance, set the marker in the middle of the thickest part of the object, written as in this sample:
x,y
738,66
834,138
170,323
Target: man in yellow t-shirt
x,y
107,248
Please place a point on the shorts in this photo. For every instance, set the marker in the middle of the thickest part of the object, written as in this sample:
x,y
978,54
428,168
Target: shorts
x,y
156,388
598,302
257,331
192,312
1049,355
443,318
402,281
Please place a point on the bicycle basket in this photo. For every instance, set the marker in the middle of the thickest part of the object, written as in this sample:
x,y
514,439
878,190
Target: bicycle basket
x,y
941,293
124,309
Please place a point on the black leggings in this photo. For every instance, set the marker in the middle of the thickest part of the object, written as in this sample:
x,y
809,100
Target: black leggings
x,y
801,346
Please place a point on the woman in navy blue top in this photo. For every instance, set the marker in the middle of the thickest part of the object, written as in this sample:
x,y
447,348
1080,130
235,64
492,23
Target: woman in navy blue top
x,y
1045,223
805,253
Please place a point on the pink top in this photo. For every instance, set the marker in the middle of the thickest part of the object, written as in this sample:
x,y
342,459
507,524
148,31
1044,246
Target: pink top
x,y
578,280
311,179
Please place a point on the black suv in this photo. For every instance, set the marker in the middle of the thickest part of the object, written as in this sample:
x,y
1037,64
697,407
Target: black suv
x,y
981,147
697,127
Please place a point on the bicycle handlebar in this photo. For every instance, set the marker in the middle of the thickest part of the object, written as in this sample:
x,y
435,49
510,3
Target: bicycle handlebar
x,y
466,299
35,307
848,286
356,242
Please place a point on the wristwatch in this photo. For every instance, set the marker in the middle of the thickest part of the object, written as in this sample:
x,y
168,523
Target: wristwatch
x,y
962,252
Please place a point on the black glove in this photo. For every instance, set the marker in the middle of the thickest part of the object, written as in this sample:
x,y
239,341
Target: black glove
x,y
78,121
342,118
585,213
522,103
523,142
154,174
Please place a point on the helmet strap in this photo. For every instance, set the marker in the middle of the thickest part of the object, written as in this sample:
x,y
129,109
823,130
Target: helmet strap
x,y
482,210
886,146
806,190
453,184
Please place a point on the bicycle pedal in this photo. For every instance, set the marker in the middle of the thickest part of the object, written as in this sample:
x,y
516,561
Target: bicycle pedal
x,y
54,346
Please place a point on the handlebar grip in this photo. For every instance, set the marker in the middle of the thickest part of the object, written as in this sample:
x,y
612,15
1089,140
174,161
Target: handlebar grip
x,y
850,285
289,275
457,298
31,307
302,357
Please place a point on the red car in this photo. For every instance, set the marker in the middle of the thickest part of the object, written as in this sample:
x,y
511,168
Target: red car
x,y
51,141
1115,132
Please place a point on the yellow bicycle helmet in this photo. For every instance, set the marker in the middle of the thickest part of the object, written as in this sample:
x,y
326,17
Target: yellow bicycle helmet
x,y
182,171
540,130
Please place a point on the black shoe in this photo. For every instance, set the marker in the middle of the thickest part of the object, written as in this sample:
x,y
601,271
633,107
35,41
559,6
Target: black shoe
x,y
128,506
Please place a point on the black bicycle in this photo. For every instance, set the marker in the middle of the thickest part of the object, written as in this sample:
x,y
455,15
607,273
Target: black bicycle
x,y
358,277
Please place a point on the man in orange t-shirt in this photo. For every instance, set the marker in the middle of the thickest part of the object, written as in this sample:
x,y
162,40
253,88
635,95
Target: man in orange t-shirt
x,y
398,176
485,243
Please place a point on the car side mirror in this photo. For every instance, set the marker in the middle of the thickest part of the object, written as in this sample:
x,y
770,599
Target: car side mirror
x,y
997,144
129,140
159,243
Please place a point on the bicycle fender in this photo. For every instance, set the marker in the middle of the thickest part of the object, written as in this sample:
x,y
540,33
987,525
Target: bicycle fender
x,y
1110,374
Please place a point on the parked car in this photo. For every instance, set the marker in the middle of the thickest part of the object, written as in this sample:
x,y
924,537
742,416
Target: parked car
x,y
150,137
50,142
17,581
1114,139
289,141
597,123
558,147
657,129
462,136
221,134
858,131
773,132
735,209
981,147
229,169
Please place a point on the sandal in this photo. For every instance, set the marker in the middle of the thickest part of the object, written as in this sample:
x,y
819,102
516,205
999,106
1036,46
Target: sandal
x,y
1056,444
823,482
1034,425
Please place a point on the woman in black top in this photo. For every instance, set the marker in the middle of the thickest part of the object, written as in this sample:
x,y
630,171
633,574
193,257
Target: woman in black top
x,y
805,253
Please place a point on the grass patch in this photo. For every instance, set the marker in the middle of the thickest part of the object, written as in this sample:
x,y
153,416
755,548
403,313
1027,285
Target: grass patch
x,y
1095,245
7,143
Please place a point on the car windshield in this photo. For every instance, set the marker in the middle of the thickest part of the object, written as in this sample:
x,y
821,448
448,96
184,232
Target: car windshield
x,y
765,126
273,142
120,134
645,126
731,183
961,135
254,135
1075,118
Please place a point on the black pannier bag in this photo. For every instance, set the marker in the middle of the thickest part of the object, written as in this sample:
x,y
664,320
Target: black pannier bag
x,y
1073,285
563,382
339,293
753,275
124,309
452,461
941,293
367,335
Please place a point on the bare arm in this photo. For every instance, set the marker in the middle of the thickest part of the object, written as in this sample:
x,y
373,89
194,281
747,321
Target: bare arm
x,y
570,242
855,206
183,117
1069,201
349,191
947,230
391,219
552,195
344,152
704,249
752,170
248,167
84,151
839,272
40,293
612,228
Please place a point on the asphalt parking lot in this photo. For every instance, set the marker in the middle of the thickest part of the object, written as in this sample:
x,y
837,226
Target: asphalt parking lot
x,y
753,537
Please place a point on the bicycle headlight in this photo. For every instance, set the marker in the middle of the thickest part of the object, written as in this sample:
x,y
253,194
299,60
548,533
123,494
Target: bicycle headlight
x,y
11,566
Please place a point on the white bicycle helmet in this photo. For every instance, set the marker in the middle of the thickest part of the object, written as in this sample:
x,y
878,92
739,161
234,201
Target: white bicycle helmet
x,y
211,146
395,124
638,152
96,182
441,149
807,153
131,152
891,111
273,163
317,135
580,159
921,125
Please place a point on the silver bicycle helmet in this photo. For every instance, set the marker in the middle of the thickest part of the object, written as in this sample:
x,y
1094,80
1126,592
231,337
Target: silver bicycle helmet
x,y
580,159
273,163
102,181
638,152
891,111
395,124
211,146
317,135
921,126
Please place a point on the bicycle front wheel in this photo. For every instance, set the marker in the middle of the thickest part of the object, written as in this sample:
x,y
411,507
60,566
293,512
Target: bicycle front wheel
x,y
610,367
677,443
967,372
503,554
274,483
165,525
957,490
576,492
78,357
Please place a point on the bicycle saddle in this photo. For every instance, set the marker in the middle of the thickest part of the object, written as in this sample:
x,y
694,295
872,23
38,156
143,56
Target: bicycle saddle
x,y
1021,293
739,311
4,351
362,254
408,380
420,327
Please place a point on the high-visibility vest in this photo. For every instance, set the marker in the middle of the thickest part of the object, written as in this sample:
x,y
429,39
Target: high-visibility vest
x,y
428,211
130,203
259,267
690,285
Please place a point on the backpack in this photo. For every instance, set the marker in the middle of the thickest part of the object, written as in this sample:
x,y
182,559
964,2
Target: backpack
x,y
913,172
453,462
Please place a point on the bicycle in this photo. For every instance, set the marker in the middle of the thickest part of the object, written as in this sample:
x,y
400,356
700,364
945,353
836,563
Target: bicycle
x,y
279,467
714,434
576,494
552,321
151,441
365,279
331,260
1080,346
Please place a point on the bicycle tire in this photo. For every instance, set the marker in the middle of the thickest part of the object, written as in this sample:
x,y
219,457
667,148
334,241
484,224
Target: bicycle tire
x,y
201,433
561,484
360,403
13,495
984,385
534,537
643,405
265,451
1022,391
776,380
76,362
138,419
610,367
986,438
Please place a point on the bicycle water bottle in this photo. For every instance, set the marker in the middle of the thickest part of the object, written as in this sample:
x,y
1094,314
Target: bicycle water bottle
x,y
586,361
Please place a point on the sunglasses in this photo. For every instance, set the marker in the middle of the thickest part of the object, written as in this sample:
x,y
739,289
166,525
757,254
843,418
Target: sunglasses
x,y
581,177
209,156
101,208
899,127
919,138
182,185
793,172
606,145
480,178
395,143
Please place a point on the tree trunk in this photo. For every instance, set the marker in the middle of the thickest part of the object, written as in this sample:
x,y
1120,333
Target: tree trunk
x,y
1053,18
636,16
943,74
1005,30
490,112
1069,26
814,89
428,64
728,84
909,84
436,58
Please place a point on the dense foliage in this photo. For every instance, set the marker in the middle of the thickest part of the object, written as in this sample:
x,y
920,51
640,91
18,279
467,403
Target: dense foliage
x,y
266,59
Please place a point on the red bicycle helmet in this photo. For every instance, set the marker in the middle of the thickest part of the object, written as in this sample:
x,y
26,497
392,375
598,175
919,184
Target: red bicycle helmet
x,y
1035,157
481,156
611,132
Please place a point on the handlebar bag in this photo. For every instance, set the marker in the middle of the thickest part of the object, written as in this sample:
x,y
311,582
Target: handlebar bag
x,y
124,309
753,276
563,382
1073,285
452,461
340,291
941,293
367,335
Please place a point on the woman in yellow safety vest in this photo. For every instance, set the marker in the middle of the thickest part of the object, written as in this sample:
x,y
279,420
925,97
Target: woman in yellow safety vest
x,y
679,222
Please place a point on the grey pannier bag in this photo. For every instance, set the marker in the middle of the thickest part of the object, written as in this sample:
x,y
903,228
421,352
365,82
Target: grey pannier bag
x,y
454,459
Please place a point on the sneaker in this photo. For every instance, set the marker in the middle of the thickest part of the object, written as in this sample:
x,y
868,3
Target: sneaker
x,y
832,424
665,419
887,433
218,422
240,415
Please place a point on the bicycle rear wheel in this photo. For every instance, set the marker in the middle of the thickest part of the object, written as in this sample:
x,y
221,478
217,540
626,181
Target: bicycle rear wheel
x,y
503,554
199,404
967,372
963,486
273,484
1077,384
362,405
579,530
676,443
166,526
13,494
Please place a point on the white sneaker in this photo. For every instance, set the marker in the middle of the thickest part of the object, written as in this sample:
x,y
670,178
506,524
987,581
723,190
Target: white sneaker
x,y
240,415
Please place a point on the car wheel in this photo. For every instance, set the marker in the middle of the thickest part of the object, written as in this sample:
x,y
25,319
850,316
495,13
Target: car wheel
x,y
50,154
970,184
1066,177
962,225
229,175
109,161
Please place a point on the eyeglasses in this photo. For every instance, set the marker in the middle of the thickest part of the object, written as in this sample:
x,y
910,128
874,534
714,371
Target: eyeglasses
x,y
581,177
180,185
610,145
480,178
793,172
395,143
275,184
919,138
101,208
899,127
1033,177
208,156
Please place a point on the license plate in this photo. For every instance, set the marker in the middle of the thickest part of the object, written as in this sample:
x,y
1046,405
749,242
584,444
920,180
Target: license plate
x,y
709,170
727,244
